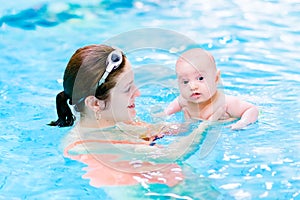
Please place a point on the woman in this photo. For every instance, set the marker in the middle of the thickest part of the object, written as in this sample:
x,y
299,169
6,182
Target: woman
x,y
99,83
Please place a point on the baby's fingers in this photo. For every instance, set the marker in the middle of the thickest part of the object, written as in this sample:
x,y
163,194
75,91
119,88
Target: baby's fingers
x,y
238,125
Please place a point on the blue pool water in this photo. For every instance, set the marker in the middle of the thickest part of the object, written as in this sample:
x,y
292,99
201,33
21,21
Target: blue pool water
x,y
255,44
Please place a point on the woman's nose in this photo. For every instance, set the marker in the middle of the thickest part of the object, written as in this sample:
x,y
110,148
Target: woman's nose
x,y
136,92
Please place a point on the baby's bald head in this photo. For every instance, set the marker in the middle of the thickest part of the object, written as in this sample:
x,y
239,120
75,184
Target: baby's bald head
x,y
198,58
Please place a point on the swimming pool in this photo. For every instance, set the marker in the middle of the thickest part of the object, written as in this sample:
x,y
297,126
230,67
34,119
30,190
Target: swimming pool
x,y
255,44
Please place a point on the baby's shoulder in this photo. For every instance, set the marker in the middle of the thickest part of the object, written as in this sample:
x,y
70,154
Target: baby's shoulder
x,y
234,102
231,99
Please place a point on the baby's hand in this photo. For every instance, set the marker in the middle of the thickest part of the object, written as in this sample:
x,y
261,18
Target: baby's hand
x,y
239,125
219,114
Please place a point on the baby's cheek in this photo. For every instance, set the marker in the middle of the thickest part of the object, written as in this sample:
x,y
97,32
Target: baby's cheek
x,y
212,89
183,88
183,92
186,97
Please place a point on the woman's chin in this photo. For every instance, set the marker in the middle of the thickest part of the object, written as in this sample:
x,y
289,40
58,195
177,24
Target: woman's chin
x,y
132,114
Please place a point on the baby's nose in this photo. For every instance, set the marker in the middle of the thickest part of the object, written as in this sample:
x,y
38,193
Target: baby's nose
x,y
193,85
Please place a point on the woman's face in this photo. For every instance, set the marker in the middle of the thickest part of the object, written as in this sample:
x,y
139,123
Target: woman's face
x,y
121,107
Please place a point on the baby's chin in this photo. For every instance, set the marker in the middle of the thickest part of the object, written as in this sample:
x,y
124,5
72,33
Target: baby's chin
x,y
199,100
195,99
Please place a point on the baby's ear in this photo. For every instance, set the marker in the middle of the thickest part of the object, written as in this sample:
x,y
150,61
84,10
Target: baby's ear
x,y
94,104
218,76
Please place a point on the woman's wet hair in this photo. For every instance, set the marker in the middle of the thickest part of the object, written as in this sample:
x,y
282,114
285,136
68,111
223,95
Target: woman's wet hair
x,y
82,74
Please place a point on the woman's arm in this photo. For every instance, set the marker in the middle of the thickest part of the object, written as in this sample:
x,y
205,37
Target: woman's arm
x,y
178,148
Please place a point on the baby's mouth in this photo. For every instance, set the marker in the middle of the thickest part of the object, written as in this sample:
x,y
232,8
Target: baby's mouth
x,y
196,95
131,105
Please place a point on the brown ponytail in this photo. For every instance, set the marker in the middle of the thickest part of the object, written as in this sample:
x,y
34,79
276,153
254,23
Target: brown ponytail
x,y
65,116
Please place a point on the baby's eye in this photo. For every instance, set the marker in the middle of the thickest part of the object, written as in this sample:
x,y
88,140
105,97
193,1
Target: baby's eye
x,y
185,82
200,78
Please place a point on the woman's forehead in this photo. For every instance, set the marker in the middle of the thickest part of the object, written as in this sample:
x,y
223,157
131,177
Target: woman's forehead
x,y
127,74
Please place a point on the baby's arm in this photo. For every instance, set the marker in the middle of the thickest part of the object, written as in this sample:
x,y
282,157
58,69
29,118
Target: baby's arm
x,y
247,112
173,107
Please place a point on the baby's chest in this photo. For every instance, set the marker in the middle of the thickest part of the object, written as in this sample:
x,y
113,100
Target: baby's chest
x,y
205,113
195,112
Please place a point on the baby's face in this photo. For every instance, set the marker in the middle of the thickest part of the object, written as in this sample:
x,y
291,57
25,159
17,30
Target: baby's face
x,y
197,78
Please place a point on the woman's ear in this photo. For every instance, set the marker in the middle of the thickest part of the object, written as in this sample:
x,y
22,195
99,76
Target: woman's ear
x,y
94,104
218,76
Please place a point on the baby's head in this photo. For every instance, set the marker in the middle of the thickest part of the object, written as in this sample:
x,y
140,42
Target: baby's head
x,y
199,59
197,75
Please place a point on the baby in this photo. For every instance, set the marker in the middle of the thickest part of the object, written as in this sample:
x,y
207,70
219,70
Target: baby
x,y
199,96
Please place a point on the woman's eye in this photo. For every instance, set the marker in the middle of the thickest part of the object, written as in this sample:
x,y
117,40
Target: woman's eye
x,y
200,78
127,90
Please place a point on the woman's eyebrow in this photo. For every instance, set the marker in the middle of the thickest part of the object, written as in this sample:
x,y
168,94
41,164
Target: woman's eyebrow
x,y
129,83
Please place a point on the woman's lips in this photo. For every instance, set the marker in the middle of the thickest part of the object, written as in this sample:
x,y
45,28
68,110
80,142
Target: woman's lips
x,y
131,106
131,110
